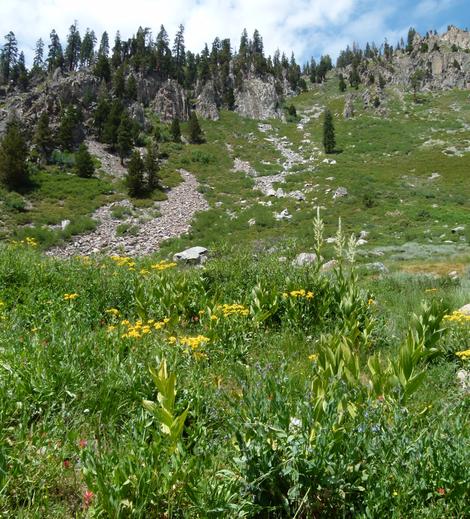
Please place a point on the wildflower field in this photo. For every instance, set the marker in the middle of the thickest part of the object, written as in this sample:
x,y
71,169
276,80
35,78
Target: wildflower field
x,y
245,388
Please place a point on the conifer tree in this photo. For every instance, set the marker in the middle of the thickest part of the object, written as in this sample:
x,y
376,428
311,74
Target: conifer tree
x,y
329,141
70,130
13,153
55,57
103,49
342,83
101,115
151,167
102,68
84,165
195,133
179,54
113,121
38,61
124,138
42,137
116,59
87,49
119,82
72,51
131,88
9,55
175,130
135,175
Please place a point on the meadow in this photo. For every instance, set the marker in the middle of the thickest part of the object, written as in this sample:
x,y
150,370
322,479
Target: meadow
x,y
245,388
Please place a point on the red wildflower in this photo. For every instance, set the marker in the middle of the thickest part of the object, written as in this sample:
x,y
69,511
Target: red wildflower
x,y
88,498
441,491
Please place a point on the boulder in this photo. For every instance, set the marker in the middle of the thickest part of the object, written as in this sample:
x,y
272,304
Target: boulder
x,y
340,192
304,258
329,265
194,255
376,267
283,215
465,309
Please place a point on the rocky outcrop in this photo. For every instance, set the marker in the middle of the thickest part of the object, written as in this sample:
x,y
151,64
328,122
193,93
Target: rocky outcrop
x,y
258,99
206,104
51,95
170,102
348,111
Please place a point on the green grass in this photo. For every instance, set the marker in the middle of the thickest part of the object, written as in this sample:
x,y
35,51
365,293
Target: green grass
x,y
75,440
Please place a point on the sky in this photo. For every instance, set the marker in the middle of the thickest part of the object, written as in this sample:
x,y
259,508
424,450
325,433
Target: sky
x,y
306,27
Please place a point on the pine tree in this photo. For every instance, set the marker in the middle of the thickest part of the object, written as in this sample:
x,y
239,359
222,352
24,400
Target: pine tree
x,y
102,68
9,55
70,129
113,121
179,54
124,138
410,40
13,153
329,141
42,137
151,167
342,83
20,74
135,175
175,130
38,61
116,59
84,165
119,82
87,49
415,81
162,45
55,57
195,133
131,88
104,45
72,51
229,98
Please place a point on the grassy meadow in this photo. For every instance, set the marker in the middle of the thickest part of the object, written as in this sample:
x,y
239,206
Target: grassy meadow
x,y
246,388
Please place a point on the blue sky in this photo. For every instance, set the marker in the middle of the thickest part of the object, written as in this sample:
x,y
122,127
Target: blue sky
x,y
308,27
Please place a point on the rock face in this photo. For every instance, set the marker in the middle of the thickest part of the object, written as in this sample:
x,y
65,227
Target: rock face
x,y
257,99
206,104
170,102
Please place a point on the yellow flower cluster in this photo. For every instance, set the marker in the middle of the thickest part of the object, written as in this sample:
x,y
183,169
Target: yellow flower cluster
x,y
2,306
298,294
430,290
192,345
141,328
313,357
234,309
163,265
70,297
457,317
464,355
30,242
123,261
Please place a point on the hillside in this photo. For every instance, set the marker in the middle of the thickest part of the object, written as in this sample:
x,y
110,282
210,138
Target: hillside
x,y
313,362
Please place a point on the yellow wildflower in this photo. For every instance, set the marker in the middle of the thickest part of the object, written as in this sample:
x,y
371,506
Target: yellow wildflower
x,y
313,357
111,328
70,297
464,355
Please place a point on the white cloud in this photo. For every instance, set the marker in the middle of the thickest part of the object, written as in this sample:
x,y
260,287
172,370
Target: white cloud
x,y
289,25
